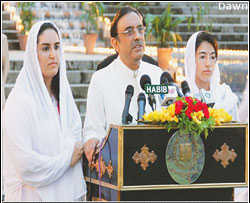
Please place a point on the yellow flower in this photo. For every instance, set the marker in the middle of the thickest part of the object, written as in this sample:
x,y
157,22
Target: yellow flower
x,y
156,116
219,115
166,114
171,109
148,117
197,116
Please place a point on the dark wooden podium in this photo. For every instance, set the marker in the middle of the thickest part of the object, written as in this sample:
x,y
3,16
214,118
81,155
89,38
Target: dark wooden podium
x,y
132,166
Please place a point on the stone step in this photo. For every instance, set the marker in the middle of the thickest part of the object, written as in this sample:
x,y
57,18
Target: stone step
x,y
219,29
79,91
74,77
237,45
14,45
71,65
81,105
223,22
220,37
11,35
8,25
5,15
176,6
82,118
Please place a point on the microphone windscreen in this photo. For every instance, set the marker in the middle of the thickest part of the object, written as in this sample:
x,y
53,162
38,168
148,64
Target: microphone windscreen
x,y
166,78
141,97
185,87
145,79
129,90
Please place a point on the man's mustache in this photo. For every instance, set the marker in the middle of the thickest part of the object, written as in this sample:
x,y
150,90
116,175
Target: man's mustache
x,y
138,43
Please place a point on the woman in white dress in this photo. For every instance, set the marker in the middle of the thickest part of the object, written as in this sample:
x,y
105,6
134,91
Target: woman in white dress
x,y
203,75
42,126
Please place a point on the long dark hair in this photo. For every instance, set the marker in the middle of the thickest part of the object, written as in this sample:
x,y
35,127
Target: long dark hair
x,y
55,84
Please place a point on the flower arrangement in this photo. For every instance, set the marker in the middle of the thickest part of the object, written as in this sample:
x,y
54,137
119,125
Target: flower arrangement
x,y
189,115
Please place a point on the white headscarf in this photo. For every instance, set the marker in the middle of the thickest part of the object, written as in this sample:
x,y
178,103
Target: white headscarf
x,y
38,144
222,94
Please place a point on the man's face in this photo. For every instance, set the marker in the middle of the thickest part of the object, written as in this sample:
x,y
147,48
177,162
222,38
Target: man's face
x,y
130,41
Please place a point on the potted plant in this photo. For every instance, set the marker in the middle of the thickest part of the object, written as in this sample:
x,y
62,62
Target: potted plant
x,y
162,29
202,21
91,12
27,17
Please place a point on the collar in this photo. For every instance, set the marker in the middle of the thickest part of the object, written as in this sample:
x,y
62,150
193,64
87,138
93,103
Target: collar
x,y
130,72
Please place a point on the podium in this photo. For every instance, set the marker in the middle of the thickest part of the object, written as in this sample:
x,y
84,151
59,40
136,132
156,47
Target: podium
x,y
132,166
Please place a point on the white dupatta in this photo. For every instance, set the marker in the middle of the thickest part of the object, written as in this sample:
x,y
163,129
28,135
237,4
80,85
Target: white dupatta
x,y
38,144
221,93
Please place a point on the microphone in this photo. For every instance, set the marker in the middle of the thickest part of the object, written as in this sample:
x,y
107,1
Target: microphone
x,y
170,97
202,96
206,97
185,89
166,79
141,106
145,80
126,117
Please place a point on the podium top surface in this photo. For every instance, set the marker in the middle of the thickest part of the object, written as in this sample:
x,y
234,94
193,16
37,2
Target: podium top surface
x,y
155,126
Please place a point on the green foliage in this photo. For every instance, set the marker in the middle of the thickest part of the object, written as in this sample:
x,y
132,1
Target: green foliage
x,y
91,12
200,20
26,15
163,27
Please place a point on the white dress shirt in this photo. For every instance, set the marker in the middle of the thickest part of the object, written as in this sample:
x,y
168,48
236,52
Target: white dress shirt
x,y
106,96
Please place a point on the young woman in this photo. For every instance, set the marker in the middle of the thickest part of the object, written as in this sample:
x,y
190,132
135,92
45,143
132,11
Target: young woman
x,y
42,126
203,75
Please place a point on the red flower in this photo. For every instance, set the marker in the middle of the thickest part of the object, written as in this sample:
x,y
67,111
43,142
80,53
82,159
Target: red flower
x,y
189,100
178,107
198,106
188,113
205,110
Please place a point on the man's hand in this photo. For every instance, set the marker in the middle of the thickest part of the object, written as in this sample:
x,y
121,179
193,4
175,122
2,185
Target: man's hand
x,y
77,154
89,148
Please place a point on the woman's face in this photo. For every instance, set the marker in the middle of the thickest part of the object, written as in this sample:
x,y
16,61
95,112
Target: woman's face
x,y
205,59
48,50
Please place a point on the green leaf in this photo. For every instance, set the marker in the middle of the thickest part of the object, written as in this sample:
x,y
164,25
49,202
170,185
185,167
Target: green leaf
x,y
162,27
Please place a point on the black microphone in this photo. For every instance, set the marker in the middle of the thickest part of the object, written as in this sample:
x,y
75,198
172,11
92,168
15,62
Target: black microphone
x,y
166,79
141,106
185,89
145,80
126,117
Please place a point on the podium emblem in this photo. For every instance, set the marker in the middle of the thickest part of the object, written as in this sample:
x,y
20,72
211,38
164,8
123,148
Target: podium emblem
x,y
225,155
144,157
185,157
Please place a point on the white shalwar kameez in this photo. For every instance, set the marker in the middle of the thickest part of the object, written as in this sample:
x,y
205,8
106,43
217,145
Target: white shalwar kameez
x,y
106,96
222,94
38,142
